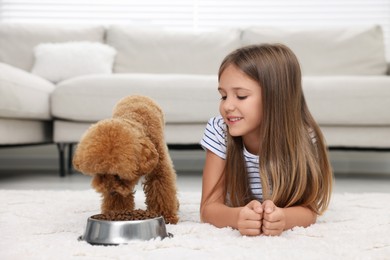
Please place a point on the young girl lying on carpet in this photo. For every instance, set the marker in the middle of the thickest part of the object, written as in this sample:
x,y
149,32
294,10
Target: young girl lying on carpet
x,y
266,167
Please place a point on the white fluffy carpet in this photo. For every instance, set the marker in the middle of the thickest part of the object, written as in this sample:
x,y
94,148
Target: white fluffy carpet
x,y
46,225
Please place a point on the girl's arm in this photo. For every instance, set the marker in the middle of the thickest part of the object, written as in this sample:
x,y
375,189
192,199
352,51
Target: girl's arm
x,y
212,208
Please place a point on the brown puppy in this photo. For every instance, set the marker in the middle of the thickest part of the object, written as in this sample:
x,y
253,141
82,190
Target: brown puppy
x,y
117,152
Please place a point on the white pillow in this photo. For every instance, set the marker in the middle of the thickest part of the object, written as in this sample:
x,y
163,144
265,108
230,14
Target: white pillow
x,y
60,61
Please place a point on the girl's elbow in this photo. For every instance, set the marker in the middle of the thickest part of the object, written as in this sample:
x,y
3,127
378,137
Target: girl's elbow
x,y
313,218
206,215
202,214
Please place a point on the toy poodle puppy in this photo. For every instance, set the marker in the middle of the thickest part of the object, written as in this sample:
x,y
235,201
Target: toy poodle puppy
x,y
118,151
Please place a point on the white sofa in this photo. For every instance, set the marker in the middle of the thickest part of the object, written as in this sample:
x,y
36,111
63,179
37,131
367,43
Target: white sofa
x,y
53,93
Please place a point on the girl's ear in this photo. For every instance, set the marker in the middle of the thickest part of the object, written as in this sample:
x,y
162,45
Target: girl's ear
x,y
148,157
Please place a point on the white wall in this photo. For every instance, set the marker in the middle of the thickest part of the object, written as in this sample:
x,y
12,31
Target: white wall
x,y
202,14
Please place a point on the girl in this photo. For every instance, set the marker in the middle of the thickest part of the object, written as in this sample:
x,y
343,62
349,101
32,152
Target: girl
x,y
266,167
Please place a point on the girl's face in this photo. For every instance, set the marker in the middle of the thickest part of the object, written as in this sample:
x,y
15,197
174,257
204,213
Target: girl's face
x,y
241,105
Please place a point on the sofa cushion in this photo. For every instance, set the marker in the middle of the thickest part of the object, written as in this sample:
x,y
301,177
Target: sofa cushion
x,y
328,51
17,41
357,136
20,132
184,98
161,51
23,95
72,131
349,100
60,61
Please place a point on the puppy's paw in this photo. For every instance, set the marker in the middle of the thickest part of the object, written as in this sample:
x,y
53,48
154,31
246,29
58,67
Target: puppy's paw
x,y
171,219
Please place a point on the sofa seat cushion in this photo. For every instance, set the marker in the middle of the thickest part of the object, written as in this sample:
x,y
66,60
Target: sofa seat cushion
x,y
23,95
164,51
328,51
184,98
20,132
357,136
17,40
349,100
71,132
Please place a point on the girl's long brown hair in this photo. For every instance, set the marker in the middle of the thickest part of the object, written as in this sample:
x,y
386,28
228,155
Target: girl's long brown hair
x,y
293,163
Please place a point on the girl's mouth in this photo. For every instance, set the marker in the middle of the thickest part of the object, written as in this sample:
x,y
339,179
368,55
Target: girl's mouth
x,y
234,119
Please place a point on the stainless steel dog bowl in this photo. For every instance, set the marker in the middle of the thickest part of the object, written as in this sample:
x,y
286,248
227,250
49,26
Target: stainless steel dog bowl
x,y
104,232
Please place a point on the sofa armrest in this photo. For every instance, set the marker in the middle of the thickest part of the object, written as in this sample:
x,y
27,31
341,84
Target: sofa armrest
x,y
24,95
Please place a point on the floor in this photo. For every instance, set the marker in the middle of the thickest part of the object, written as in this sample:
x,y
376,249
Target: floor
x,y
186,181
37,168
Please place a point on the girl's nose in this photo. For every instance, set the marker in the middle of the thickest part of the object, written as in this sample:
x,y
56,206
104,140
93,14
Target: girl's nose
x,y
228,105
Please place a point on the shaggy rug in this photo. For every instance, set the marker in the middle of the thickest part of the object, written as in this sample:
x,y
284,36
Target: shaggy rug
x,y
46,225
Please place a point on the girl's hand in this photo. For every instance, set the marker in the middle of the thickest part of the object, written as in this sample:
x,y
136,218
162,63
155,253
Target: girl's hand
x,y
250,218
274,219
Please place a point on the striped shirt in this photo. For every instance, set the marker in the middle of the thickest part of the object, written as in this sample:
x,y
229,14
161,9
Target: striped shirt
x,y
215,139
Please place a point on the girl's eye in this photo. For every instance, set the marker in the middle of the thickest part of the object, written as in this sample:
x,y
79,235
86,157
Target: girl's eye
x,y
223,98
242,97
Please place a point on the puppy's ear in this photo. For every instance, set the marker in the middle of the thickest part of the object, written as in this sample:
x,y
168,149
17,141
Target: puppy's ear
x,y
98,183
149,156
107,147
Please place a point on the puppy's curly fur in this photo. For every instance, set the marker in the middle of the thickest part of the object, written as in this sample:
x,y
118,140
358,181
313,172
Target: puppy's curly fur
x,y
118,151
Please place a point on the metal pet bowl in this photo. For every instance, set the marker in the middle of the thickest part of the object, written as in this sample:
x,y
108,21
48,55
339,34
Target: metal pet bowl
x,y
105,232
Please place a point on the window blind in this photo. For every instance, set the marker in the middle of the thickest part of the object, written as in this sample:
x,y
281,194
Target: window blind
x,y
202,14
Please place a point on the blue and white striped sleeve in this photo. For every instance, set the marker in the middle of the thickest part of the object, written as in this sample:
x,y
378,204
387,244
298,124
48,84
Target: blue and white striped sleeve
x,y
214,137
